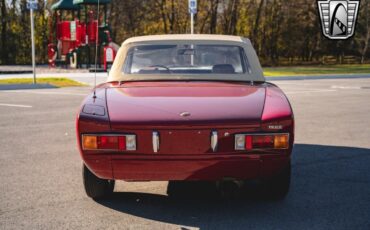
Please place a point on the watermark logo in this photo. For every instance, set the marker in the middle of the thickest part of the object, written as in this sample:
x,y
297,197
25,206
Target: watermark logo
x,y
338,18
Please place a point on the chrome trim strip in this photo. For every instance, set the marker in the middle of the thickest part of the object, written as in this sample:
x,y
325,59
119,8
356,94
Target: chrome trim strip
x,y
155,140
214,140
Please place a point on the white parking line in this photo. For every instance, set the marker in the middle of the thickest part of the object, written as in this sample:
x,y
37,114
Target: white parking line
x,y
345,87
291,83
16,105
50,93
312,91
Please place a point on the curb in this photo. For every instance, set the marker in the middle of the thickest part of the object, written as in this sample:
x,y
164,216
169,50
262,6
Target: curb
x,y
26,86
15,71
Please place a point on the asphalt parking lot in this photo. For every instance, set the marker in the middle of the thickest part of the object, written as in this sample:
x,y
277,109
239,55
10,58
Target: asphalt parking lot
x,y
41,183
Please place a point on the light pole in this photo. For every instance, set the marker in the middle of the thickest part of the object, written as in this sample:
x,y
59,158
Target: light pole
x,y
191,23
192,11
32,5
33,47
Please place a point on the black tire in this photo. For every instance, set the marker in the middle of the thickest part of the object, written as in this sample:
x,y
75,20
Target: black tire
x,y
277,186
177,189
95,187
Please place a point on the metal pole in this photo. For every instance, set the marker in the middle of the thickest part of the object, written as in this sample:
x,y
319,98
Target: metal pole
x,y
191,23
192,32
33,47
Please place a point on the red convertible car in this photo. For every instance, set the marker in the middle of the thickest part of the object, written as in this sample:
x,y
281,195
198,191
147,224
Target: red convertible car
x,y
186,107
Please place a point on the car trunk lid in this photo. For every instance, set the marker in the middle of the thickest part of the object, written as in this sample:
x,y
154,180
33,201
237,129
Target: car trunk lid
x,y
159,104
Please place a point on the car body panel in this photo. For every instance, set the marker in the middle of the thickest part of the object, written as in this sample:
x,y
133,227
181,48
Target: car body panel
x,y
240,166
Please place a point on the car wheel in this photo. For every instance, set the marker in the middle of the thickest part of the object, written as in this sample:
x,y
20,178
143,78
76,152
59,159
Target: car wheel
x,y
95,187
277,186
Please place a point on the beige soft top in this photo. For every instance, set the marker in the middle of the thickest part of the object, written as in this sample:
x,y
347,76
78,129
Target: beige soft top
x,y
182,37
256,74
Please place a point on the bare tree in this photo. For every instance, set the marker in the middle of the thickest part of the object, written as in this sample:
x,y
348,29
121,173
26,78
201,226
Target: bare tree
x,y
213,20
366,25
4,52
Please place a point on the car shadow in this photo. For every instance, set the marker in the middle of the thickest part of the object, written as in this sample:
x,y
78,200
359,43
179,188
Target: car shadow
x,y
330,190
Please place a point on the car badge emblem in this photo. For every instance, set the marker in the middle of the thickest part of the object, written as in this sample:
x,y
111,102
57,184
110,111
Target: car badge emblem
x,y
275,127
185,114
338,18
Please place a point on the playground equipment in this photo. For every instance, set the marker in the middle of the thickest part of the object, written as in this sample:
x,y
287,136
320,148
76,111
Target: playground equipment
x,y
75,34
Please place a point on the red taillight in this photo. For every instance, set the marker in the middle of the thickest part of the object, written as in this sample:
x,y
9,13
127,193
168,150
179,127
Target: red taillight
x,y
109,142
248,142
122,142
261,141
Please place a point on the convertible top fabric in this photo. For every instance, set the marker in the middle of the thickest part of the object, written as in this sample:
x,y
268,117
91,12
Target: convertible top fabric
x,y
256,74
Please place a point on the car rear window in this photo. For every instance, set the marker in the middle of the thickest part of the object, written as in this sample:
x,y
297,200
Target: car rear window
x,y
186,59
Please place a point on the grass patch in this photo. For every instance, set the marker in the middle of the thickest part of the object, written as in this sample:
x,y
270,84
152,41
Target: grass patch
x,y
316,70
58,82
